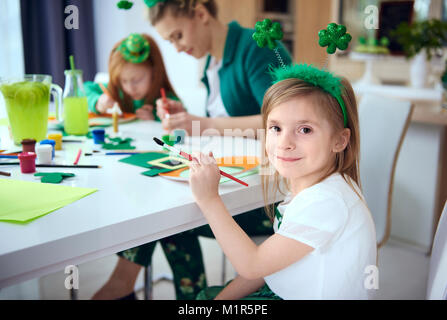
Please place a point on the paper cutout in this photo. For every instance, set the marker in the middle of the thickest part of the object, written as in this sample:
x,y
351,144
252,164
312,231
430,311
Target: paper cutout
x,y
171,163
53,177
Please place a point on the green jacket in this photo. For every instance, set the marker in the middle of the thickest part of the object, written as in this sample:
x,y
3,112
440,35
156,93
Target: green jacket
x,y
94,91
244,76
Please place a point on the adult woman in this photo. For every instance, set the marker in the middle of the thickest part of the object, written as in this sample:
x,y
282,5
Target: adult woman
x,y
236,77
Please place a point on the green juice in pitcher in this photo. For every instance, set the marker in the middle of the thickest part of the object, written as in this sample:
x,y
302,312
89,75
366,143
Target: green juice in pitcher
x,y
27,107
76,115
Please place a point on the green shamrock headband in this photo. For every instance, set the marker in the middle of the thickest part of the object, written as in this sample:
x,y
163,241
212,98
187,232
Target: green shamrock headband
x,y
126,5
319,78
135,48
335,37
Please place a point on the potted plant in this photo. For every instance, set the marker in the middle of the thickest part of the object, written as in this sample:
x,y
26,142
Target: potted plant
x,y
421,41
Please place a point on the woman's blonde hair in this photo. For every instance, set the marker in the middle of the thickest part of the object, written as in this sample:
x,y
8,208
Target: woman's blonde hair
x,y
154,62
180,8
346,161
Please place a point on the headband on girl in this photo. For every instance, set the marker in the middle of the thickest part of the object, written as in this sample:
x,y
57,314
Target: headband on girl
x,y
322,79
135,48
335,37
126,5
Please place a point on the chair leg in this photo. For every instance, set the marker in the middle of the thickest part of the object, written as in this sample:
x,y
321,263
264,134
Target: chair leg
x,y
224,269
148,283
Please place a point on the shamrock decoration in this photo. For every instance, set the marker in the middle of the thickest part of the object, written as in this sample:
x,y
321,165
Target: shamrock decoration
x,y
334,37
125,5
135,48
119,144
53,177
266,33
151,3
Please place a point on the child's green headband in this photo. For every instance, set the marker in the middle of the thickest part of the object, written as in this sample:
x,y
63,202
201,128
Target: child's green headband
x,y
319,78
126,5
135,48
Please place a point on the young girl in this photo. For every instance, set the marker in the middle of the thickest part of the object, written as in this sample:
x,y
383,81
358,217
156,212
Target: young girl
x,y
324,234
137,74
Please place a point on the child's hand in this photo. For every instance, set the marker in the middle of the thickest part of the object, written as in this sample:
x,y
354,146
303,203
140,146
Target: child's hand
x,y
171,107
104,103
145,112
204,178
183,120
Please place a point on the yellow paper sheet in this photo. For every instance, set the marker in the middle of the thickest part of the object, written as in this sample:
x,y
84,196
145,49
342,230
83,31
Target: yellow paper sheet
x,y
22,201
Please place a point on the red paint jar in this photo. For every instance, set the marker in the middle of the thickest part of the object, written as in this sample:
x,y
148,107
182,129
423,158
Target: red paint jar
x,y
27,162
28,145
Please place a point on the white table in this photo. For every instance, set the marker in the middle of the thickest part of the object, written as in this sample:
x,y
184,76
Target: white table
x,y
129,209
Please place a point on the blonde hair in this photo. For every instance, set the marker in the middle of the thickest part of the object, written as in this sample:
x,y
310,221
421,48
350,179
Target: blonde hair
x,y
346,161
154,62
180,8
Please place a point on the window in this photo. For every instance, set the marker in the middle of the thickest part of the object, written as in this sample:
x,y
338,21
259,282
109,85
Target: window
x,y
11,48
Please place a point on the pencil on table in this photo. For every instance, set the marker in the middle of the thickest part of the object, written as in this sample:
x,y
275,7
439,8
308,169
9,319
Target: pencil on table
x,y
6,174
77,157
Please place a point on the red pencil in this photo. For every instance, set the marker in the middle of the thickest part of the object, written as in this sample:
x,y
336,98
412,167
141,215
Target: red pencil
x,y
78,157
189,157
165,101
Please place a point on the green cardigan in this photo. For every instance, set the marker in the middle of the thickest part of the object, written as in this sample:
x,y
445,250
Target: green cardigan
x,y
93,91
244,76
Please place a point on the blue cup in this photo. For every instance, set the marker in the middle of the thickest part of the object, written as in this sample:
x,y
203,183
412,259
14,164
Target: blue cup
x,y
52,143
98,136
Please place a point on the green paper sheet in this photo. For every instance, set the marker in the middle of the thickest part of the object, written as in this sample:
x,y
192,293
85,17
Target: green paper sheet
x,y
23,201
155,172
142,159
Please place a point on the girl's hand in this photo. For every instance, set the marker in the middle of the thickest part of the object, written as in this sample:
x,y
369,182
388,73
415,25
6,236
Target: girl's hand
x,y
104,103
172,107
204,178
145,112
183,120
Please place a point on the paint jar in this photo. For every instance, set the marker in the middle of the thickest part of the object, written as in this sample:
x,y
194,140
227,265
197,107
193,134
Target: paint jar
x,y
27,162
44,153
50,142
57,137
29,145
98,136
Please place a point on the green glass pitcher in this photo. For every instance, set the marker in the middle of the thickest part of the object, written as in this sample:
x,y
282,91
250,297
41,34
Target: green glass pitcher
x,y
27,101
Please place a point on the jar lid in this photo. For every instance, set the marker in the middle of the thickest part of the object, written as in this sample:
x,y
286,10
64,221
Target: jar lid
x,y
48,141
54,135
27,156
98,131
28,141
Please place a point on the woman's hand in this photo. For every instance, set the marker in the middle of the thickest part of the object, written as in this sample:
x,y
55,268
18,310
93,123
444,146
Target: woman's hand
x,y
204,178
145,112
171,107
104,103
184,120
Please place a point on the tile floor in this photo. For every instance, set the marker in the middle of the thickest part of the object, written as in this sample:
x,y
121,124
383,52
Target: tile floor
x,y
403,273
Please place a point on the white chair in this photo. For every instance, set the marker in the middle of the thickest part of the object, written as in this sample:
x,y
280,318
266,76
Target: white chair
x,y
437,277
383,125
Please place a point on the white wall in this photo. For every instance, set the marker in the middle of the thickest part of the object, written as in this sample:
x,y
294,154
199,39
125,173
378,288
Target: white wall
x,y
113,24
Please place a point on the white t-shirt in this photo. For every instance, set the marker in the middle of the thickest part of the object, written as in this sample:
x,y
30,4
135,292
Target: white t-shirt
x,y
330,217
214,105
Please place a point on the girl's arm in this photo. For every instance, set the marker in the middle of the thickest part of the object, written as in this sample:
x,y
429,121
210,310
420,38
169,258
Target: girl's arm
x,y
249,260
93,92
240,288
